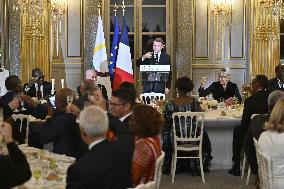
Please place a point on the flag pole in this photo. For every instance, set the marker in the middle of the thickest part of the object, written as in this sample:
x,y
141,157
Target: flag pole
x,y
99,9
123,8
115,9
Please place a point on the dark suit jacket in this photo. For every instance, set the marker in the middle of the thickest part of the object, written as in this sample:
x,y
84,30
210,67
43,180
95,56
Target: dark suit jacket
x,y
255,129
64,132
273,85
46,90
15,169
101,168
102,87
255,104
124,142
163,60
218,91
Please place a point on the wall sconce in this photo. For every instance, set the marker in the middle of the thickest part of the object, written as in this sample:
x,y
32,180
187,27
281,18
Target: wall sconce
x,y
222,11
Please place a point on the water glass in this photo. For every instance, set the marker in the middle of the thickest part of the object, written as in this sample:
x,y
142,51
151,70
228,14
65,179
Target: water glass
x,y
69,99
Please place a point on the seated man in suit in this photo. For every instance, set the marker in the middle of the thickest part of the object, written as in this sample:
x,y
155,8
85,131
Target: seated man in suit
x,y
14,167
102,166
37,85
252,105
277,83
256,127
11,101
92,75
154,82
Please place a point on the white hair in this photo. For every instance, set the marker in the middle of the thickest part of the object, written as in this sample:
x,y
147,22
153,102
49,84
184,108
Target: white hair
x,y
225,72
273,98
94,121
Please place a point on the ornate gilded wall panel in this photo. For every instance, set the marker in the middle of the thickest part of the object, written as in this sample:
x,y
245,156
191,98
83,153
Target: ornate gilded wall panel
x,y
14,40
265,43
90,27
184,38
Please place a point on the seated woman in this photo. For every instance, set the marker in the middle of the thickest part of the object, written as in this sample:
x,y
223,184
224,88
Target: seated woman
x,y
223,88
62,129
271,143
145,123
184,102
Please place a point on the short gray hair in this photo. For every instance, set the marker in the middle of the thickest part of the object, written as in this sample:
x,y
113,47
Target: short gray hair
x,y
94,121
273,98
225,72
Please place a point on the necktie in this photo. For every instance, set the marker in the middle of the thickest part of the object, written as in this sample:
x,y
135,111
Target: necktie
x,y
156,57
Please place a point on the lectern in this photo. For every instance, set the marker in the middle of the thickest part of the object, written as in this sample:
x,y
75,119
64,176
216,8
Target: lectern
x,y
154,77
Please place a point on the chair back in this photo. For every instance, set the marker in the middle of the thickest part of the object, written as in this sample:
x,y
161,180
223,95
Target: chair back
x,y
149,185
188,126
264,167
157,96
22,117
158,169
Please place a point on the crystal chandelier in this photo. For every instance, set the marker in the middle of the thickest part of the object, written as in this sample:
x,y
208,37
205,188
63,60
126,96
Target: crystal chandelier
x,y
222,11
58,8
223,8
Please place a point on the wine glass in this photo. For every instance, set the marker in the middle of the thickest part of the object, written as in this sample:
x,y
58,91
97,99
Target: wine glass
x,y
203,79
37,170
69,99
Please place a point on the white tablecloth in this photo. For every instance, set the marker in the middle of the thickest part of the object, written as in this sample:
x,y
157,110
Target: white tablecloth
x,y
62,164
220,131
3,76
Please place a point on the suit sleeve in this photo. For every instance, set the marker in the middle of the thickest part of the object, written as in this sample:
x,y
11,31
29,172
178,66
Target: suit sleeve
x,y
74,179
237,94
246,115
204,92
16,167
55,128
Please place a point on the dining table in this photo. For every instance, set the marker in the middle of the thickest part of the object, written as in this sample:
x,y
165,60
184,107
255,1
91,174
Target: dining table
x,y
49,170
219,124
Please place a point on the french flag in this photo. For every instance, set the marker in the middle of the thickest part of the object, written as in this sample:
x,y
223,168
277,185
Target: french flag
x,y
123,71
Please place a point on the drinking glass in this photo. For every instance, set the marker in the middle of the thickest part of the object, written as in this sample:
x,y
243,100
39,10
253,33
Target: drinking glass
x,y
69,99
37,170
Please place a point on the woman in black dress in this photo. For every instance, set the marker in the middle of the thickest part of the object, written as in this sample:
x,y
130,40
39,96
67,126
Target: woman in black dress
x,y
184,102
223,88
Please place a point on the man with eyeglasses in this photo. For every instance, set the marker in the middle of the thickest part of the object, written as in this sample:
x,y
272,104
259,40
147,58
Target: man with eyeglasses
x,y
92,75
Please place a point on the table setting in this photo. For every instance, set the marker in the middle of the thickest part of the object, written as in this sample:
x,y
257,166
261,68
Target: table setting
x,y
48,169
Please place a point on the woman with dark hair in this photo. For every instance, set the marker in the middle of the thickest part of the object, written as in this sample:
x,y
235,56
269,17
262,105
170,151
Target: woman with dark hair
x,y
145,123
183,103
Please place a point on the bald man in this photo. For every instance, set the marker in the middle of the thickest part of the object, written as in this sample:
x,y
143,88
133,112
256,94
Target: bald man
x,y
91,74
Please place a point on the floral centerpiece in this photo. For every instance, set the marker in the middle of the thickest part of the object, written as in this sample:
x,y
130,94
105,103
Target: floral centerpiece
x,y
203,103
213,104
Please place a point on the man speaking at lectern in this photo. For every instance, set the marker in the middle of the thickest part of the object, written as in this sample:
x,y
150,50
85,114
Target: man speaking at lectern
x,y
153,81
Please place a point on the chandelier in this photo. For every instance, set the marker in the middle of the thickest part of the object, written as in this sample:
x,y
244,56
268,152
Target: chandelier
x,y
58,8
222,11
222,8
